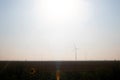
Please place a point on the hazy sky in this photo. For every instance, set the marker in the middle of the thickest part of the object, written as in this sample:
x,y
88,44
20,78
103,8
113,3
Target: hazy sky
x,y
50,29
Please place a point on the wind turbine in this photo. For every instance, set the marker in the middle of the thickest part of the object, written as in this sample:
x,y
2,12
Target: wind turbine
x,y
75,51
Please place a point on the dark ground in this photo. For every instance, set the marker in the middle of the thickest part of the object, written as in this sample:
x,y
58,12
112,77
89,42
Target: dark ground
x,y
69,70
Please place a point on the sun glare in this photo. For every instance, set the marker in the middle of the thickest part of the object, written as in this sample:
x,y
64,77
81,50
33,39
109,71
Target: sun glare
x,y
61,19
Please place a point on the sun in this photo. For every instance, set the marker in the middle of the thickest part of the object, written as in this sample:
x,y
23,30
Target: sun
x,y
61,18
61,11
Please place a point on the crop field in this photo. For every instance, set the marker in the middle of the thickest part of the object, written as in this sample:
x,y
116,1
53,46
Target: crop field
x,y
68,70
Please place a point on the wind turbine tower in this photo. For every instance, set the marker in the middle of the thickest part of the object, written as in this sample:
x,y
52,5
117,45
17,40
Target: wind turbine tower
x,y
75,52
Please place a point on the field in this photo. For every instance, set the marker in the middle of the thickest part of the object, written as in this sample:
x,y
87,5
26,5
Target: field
x,y
68,70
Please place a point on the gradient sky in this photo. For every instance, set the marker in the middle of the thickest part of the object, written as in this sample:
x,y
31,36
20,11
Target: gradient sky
x,y
50,29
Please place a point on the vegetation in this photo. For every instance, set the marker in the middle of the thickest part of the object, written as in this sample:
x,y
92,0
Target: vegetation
x,y
24,72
